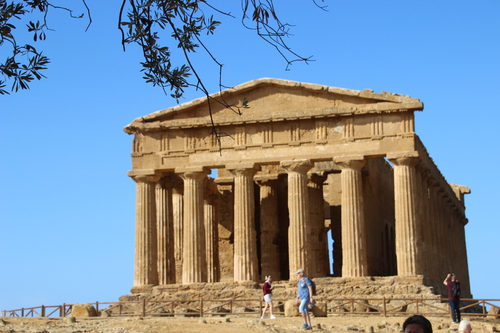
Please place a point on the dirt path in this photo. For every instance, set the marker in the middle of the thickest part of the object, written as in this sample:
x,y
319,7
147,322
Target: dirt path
x,y
337,324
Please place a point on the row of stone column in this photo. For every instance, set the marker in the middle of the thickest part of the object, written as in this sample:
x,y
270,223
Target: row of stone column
x,y
442,232
430,234
416,207
411,214
301,249
155,262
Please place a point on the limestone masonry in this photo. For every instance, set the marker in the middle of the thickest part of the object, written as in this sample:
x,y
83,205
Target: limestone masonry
x,y
302,167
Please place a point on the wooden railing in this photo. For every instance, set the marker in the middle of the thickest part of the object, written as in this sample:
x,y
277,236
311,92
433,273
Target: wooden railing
x,y
252,307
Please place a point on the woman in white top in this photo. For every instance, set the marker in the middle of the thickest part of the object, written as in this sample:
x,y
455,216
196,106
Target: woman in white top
x,y
267,290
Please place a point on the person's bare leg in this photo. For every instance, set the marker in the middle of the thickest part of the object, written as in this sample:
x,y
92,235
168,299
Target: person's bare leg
x,y
264,311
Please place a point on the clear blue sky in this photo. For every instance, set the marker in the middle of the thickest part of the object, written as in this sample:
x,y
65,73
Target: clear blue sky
x,y
67,207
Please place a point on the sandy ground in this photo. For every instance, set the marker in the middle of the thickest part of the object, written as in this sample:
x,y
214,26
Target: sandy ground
x,y
340,323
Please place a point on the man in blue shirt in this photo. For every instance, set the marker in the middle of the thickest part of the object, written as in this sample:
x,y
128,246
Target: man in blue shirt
x,y
305,297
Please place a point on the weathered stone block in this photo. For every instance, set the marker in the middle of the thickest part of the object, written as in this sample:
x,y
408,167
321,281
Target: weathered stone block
x,y
494,312
362,306
83,310
320,309
291,309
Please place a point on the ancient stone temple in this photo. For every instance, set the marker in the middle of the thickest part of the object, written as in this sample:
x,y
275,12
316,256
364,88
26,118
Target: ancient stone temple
x,y
332,180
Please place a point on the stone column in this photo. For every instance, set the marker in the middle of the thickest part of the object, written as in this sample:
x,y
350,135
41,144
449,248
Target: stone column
x,y
299,255
269,226
443,246
145,266
354,261
464,263
211,234
317,230
194,261
434,226
165,232
245,239
406,204
178,220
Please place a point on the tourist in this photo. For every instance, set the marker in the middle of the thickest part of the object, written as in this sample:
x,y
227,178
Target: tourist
x,y
304,297
417,324
453,296
464,327
268,297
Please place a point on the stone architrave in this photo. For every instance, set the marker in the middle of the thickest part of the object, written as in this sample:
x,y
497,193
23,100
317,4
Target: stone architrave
x,y
353,219
317,230
299,255
194,260
406,204
145,268
269,226
245,238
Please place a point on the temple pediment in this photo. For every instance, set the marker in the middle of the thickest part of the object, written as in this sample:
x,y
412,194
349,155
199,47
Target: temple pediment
x,y
273,100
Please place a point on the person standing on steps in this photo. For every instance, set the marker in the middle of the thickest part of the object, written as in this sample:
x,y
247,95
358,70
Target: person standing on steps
x,y
453,296
267,290
304,297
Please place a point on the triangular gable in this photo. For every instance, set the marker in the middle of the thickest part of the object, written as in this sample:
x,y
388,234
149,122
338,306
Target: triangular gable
x,y
274,100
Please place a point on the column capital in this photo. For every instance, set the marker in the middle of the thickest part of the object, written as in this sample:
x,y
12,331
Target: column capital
x,y
355,162
171,181
192,172
300,166
408,158
266,180
317,177
244,169
144,176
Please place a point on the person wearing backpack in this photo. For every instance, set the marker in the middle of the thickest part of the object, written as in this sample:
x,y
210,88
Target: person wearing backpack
x,y
454,292
304,297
